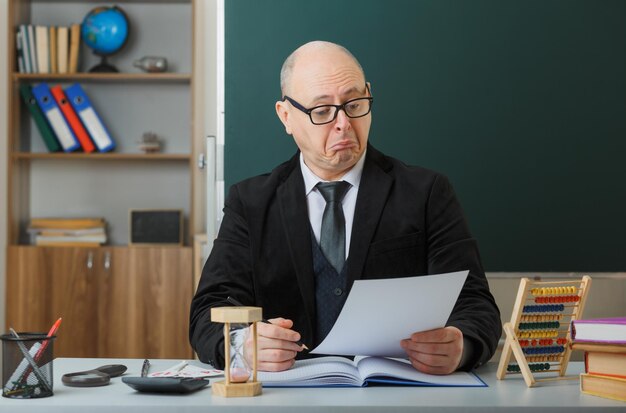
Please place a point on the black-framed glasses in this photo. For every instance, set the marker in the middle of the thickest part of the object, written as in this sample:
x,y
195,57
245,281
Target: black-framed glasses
x,y
323,114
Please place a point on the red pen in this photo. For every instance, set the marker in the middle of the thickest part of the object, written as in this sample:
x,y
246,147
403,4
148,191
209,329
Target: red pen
x,y
42,349
52,332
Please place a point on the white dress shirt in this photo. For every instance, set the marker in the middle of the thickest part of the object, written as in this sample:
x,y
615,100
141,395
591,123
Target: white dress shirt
x,y
316,203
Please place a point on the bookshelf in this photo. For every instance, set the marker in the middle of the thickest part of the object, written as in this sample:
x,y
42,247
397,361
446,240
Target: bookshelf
x,y
108,185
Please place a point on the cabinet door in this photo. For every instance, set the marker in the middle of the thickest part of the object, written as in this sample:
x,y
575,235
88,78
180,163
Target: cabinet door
x,y
45,283
74,297
28,286
144,303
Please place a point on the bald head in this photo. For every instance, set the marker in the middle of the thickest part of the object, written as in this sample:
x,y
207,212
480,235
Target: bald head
x,y
317,48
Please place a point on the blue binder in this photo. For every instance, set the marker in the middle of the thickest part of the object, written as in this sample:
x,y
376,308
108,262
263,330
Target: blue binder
x,y
57,121
88,115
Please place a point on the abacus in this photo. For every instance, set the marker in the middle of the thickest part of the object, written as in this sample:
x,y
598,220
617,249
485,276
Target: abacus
x,y
538,334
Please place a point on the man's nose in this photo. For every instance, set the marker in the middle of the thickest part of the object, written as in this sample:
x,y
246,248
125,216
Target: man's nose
x,y
343,121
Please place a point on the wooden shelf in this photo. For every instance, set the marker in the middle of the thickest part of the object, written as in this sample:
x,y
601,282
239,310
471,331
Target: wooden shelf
x,y
105,156
105,77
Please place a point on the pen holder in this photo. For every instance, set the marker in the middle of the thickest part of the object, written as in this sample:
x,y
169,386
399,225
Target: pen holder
x,y
27,365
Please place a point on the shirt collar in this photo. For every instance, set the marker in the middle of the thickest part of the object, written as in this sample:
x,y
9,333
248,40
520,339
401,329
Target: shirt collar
x,y
353,176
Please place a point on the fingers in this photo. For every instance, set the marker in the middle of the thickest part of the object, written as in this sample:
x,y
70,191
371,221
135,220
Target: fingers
x,y
276,345
436,351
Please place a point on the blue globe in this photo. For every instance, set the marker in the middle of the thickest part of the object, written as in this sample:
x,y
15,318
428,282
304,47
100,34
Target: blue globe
x,y
105,29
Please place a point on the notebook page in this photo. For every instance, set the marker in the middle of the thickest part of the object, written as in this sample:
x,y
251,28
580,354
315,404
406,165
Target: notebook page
x,y
312,372
401,369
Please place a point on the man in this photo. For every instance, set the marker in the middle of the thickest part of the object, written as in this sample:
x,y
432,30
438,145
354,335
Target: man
x,y
289,246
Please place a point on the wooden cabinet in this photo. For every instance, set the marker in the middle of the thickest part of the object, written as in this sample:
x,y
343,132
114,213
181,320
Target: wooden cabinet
x,y
115,301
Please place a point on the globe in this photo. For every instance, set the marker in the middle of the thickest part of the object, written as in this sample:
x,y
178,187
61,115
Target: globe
x,y
105,31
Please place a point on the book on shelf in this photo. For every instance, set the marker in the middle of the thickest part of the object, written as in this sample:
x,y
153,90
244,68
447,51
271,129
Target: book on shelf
x,y
74,48
47,134
55,118
72,119
19,48
334,371
67,223
97,239
32,51
43,58
62,48
23,38
607,330
67,231
603,386
52,42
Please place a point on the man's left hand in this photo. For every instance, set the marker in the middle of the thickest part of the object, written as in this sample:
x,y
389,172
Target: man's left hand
x,y
436,351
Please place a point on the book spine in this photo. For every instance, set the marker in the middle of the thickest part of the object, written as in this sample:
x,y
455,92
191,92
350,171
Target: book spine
x,y
62,40
42,49
74,48
53,50
32,52
25,48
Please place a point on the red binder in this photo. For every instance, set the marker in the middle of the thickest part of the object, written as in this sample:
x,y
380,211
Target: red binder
x,y
72,119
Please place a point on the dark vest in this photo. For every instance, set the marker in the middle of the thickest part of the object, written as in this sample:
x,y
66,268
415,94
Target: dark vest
x,y
330,291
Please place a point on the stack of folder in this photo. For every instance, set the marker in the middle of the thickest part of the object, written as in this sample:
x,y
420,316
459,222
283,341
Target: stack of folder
x,y
604,344
66,118
47,49
68,232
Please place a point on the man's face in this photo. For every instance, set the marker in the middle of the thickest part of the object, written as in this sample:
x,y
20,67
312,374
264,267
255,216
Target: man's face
x,y
323,77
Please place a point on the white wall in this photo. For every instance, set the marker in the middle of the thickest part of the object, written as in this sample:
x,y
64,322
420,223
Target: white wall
x,y
4,81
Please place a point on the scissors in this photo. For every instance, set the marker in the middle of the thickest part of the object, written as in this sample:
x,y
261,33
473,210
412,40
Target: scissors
x,y
91,378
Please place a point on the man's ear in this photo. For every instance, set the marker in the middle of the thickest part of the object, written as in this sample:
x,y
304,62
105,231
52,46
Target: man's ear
x,y
283,114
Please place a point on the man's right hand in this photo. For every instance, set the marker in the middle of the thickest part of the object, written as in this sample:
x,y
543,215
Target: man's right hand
x,y
276,343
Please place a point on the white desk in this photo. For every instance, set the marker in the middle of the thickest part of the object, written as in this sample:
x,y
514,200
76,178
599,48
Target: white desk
x,y
511,395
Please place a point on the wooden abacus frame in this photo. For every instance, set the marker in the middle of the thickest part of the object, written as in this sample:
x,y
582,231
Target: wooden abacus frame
x,y
564,301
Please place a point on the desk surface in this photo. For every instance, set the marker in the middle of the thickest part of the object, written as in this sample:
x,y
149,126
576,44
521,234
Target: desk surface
x,y
510,394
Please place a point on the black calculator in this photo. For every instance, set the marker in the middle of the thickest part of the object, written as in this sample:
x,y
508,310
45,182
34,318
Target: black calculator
x,y
166,384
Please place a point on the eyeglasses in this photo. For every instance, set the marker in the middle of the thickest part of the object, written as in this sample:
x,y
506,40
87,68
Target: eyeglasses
x,y
323,114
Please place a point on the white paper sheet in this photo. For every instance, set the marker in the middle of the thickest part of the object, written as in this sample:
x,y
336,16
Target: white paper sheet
x,y
379,313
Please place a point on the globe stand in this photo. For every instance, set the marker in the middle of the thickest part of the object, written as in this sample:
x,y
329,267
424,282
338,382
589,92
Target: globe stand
x,y
103,66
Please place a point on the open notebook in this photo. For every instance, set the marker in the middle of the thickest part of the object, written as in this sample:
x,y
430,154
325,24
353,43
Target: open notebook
x,y
340,371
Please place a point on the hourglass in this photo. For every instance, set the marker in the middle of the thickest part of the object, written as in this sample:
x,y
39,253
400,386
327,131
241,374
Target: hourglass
x,y
237,381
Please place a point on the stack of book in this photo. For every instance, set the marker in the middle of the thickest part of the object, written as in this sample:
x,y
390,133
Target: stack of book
x,y
66,119
604,342
68,232
47,49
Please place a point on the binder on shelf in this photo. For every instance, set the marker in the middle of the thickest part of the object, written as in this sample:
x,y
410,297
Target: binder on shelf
x,y
47,134
52,40
74,48
32,52
72,119
41,33
52,112
62,43
23,31
85,110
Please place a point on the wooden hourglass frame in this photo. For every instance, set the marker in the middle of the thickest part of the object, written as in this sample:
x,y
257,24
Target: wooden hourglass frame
x,y
539,333
237,315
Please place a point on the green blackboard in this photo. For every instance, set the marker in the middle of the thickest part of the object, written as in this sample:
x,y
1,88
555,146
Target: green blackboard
x,y
522,104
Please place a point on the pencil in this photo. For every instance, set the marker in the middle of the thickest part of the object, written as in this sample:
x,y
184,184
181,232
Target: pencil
x,y
263,320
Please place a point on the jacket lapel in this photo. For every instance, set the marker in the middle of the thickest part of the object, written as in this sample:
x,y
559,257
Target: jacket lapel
x,y
295,223
373,191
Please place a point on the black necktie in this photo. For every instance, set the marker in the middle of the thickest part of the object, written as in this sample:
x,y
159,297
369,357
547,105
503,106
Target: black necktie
x,y
333,234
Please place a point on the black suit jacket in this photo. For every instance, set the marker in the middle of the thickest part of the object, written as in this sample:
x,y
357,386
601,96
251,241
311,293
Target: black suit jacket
x,y
407,222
